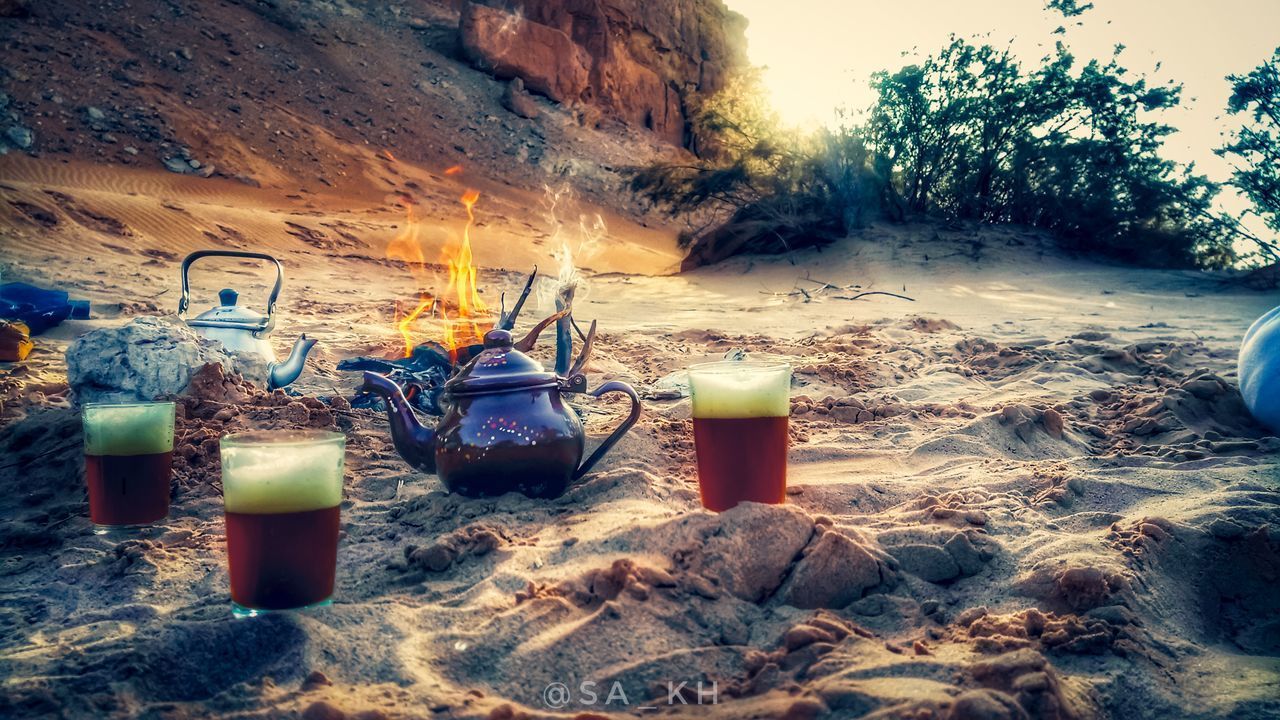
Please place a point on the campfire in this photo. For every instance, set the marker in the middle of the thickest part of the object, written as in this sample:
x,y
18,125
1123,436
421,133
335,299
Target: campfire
x,y
443,331
458,317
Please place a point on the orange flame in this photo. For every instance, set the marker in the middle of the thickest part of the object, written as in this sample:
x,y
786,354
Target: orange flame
x,y
404,323
461,316
465,330
407,248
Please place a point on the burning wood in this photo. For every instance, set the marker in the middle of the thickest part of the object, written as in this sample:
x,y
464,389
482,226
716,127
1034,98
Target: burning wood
x,y
421,376
459,318
423,372
425,367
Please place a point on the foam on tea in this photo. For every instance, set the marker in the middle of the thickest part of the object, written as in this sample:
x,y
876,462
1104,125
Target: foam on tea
x,y
280,478
132,429
740,390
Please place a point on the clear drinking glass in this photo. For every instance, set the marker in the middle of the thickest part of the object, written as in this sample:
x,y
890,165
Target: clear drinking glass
x,y
281,490
128,463
740,418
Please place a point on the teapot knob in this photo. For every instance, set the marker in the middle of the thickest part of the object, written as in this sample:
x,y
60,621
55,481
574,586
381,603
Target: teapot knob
x,y
228,297
497,338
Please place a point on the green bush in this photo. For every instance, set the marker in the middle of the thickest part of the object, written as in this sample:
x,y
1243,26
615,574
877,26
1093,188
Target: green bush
x,y
768,190
1256,151
968,134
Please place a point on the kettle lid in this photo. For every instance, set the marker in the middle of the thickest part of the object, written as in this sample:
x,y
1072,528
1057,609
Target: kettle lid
x,y
499,367
229,315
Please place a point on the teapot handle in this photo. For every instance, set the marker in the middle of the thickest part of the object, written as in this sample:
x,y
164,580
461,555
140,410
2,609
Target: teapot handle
x,y
609,442
185,300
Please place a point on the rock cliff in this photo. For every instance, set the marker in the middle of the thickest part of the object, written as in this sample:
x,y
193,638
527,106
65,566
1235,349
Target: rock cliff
x,y
639,62
307,96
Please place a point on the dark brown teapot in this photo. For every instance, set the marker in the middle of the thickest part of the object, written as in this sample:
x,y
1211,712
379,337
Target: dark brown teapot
x,y
505,427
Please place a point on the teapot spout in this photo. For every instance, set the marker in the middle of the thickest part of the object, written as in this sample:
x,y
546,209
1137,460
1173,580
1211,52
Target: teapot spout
x,y
414,442
282,374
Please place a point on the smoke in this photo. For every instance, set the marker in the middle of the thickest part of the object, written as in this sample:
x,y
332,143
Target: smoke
x,y
506,32
575,238
512,23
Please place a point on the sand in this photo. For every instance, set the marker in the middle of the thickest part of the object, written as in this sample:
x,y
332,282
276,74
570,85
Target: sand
x,y
1031,491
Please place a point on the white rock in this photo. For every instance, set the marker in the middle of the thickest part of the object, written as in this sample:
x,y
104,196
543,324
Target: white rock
x,y
149,357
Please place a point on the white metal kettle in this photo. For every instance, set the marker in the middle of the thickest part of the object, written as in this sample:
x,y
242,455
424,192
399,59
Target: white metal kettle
x,y
240,329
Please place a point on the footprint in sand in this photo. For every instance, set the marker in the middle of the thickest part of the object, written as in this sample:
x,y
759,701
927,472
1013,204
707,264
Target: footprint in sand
x,y
89,218
36,214
318,238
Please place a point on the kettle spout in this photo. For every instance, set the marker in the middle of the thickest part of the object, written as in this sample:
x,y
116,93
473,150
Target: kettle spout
x,y
282,374
415,442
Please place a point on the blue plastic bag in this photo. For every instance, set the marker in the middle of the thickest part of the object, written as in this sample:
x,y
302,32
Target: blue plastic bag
x,y
40,309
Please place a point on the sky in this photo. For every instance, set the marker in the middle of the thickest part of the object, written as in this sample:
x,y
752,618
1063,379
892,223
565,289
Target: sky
x,y
819,54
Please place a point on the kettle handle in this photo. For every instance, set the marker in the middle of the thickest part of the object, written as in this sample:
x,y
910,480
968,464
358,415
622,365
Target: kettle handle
x,y
185,300
609,442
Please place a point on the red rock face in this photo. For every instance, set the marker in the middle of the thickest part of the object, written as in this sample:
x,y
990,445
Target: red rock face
x,y
637,61
508,46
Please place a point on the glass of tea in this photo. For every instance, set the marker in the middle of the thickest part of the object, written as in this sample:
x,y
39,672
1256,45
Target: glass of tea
x,y
128,463
740,411
281,490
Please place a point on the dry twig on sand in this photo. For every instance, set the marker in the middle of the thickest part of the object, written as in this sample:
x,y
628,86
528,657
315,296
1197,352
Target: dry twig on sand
x,y
873,292
823,286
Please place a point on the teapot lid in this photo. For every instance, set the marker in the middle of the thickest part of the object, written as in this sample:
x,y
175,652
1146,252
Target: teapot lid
x,y
229,314
499,367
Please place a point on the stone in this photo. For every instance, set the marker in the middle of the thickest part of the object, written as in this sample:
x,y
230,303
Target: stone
x,y
965,554
985,704
509,46
94,114
1084,588
802,635
321,710
20,137
1002,670
296,413
314,680
927,562
149,357
969,616
177,165
515,99
1053,422
835,571
847,413
747,550
638,61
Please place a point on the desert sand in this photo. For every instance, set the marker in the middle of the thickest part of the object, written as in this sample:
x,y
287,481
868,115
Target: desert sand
x,y
1030,490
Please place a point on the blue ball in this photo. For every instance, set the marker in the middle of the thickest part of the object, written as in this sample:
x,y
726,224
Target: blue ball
x,y
1260,369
